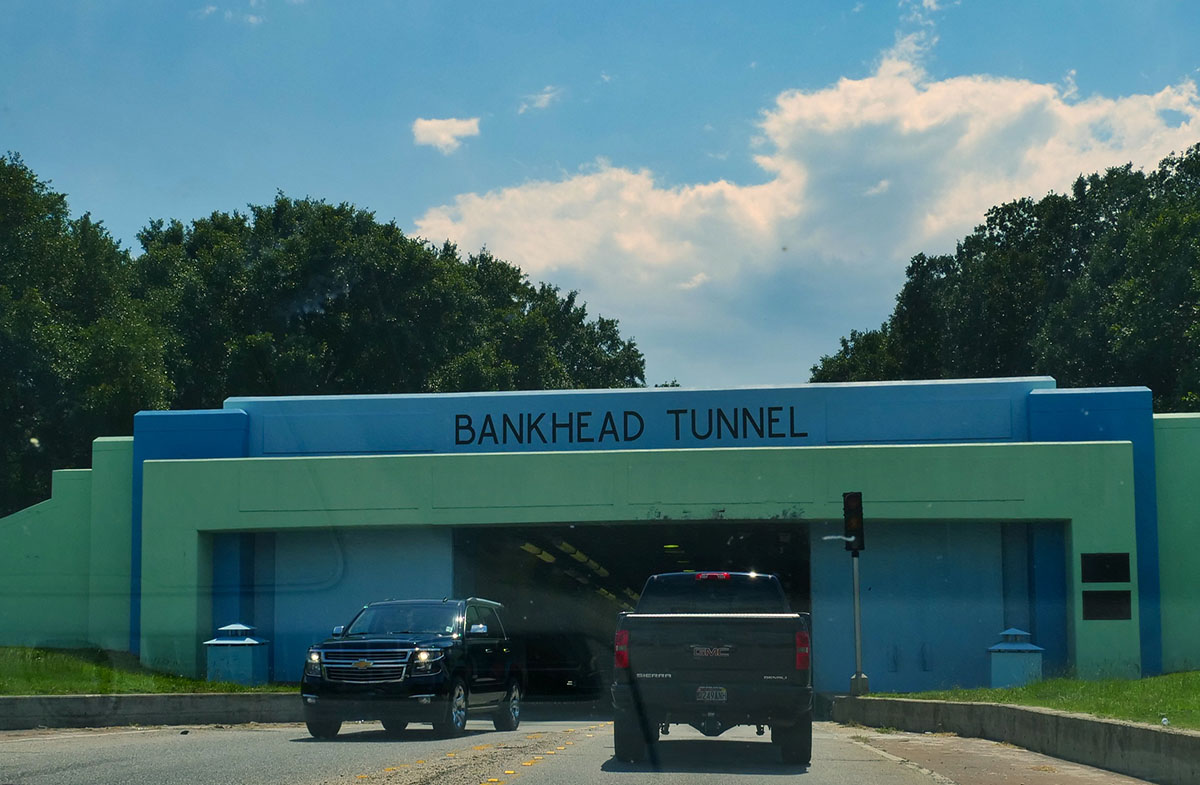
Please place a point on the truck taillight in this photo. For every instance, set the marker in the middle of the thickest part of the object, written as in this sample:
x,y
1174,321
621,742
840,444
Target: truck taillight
x,y
621,649
803,655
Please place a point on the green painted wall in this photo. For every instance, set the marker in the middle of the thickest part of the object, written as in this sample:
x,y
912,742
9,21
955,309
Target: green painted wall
x,y
64,563
1087,484
108,570
1177,464
44,562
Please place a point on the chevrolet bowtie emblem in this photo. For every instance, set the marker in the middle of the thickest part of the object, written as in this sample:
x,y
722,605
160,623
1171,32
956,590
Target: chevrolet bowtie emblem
x,y
362,664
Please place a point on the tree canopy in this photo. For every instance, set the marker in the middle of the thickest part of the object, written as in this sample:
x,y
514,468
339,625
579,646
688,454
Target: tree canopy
x,y
297,297
1099,287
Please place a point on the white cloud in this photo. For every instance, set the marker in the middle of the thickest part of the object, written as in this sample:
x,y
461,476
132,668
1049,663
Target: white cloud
x,y
446,134
206,11
548,95
858,176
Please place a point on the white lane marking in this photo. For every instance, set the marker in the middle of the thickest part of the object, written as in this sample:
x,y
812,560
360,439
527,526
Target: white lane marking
x,y
52,737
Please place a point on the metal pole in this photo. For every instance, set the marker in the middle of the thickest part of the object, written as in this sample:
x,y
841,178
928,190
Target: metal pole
x,y
858,684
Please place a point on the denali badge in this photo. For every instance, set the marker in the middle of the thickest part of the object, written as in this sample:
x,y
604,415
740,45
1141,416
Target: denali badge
x,y
362,664
710,651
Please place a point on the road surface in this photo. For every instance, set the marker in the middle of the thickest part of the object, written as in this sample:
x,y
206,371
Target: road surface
x,y
538,753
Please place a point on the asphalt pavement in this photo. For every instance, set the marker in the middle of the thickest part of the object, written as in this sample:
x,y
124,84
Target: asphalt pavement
x,y
560,752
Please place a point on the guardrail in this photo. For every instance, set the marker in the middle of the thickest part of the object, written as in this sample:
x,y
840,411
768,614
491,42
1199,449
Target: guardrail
x,y
1158,754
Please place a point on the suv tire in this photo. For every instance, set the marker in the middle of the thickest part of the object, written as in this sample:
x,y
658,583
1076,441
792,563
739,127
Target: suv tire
x,y
323,728
508,713
453,719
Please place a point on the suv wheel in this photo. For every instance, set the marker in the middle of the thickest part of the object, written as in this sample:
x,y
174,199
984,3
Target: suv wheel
x,y
453,720
508,713
323,729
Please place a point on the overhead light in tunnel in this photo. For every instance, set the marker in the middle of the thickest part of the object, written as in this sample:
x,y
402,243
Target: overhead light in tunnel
x,y
631,594
531,548
546,557
579,557
565,546
669,547
603,573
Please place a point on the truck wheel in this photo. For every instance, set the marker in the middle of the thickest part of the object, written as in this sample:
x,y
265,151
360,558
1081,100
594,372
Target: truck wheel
x,y
508,713
394,726
323,729
630,742
453,719
794,741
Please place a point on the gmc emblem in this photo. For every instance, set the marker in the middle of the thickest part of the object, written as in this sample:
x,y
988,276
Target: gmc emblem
x,y
710,651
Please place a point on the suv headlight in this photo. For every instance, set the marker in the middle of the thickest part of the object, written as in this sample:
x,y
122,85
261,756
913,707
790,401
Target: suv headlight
x,y
312,663
427,660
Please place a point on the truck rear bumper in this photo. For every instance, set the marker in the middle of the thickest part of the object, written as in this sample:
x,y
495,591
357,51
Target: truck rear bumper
x,y
744,704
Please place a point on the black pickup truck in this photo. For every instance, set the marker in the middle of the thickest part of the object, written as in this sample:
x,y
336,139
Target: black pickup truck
x,y
403,661
712,650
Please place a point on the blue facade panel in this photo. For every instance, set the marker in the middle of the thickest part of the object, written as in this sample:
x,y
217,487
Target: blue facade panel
x,y
219,433
978,410
1116,414
322,578
932,603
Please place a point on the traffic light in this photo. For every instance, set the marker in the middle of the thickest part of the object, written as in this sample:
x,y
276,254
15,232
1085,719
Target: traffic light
x,y
853,513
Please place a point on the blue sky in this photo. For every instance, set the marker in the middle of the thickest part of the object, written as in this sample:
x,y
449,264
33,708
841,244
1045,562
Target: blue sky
x,y
738,183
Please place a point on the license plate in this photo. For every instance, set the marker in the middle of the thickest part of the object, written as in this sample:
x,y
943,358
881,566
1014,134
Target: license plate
x,y
711,694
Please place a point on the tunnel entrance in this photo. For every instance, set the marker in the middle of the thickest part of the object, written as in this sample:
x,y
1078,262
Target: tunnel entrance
x,y
563,584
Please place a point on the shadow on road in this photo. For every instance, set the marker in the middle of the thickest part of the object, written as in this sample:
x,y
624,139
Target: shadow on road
x,y
350,735
706,756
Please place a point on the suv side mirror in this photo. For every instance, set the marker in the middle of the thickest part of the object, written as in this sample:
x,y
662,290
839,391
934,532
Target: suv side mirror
x,y
478,629
338,630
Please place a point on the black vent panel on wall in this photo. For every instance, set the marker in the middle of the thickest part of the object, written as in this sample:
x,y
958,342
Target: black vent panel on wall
x,y
1105,567
1107,606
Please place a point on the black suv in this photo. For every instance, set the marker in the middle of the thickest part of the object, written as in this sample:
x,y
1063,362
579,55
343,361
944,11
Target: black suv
x,y
403,661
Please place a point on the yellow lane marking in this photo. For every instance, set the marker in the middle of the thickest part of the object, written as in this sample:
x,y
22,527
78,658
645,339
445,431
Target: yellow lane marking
x,y
509,772
529,763
420,761
560,748
481,746
450,754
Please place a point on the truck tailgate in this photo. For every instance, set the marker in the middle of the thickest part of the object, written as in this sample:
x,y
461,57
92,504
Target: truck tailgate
x,y
701,646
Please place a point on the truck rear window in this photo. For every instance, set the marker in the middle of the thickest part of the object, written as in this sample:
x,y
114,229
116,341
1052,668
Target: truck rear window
x,y
735,594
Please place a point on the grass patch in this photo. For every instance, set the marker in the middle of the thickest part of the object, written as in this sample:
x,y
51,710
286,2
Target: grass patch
x,y
25,671
1175,696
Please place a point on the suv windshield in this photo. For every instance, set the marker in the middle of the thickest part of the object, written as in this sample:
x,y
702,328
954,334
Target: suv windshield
x,y
429,618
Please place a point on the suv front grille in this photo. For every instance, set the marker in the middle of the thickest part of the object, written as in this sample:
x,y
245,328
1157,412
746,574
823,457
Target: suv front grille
x,y
365,666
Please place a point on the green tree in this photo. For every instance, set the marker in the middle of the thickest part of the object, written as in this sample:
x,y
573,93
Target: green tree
x,y
79,354
303,297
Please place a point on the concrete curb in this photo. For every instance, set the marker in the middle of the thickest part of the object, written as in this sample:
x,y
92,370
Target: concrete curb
x,y
1163,755
94,711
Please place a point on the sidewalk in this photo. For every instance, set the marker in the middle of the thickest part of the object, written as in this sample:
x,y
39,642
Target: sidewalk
x,y
956,760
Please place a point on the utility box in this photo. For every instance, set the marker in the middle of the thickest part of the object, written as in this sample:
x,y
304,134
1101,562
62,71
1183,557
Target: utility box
x,y
237,656
1015,660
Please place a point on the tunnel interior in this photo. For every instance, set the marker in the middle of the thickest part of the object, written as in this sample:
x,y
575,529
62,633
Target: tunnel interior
x,y
563,585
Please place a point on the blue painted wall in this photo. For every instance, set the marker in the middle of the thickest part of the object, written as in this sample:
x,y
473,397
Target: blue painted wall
x,y
1115,414
909,641
980,410
156,435
322,578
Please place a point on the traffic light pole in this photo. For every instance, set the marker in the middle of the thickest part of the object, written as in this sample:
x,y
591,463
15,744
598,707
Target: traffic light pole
x,y
858,682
